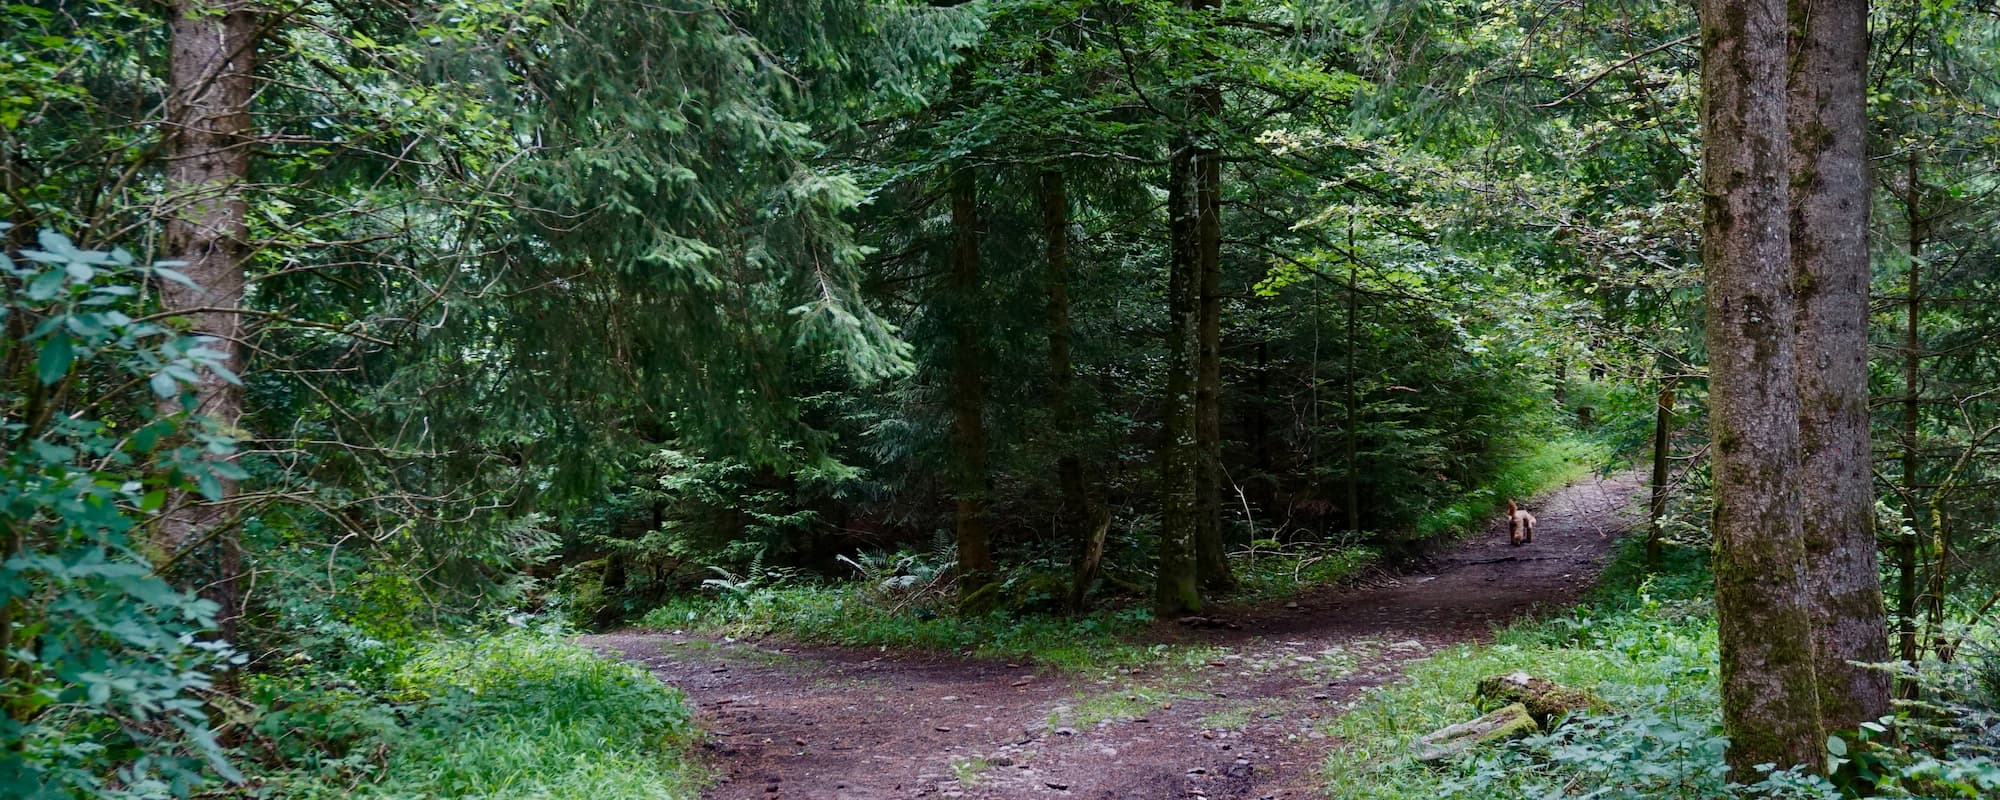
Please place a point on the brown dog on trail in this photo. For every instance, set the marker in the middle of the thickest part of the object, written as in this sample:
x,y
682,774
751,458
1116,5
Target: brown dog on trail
x,y
1520,524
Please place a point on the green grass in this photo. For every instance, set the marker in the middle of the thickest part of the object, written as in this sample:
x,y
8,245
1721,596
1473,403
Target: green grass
x,y
1543,465
1647,645
518,715
845,614
968,770
1230,717
1275,572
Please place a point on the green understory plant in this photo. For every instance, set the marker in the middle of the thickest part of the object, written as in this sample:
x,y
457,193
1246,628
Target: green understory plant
x,y
103,663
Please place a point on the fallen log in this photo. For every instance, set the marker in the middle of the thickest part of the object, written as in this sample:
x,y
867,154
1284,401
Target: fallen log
x,y
1505,723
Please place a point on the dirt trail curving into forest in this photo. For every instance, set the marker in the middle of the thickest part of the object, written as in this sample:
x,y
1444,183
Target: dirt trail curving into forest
x,y
827,724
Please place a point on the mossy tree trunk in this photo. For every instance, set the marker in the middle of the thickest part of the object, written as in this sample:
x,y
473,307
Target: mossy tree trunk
x,y
1176,589
1770,698
1829,251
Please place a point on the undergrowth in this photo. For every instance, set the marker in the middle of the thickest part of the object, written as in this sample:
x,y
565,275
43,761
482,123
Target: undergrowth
x,y
518,714
845,614
1647,646
1646,643
897,603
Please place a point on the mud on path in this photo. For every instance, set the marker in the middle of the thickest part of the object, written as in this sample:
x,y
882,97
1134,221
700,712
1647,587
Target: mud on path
x,y
1241,721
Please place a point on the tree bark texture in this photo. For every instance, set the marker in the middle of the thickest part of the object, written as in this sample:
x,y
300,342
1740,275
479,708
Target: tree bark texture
x,y
1770,701
1913,359
207,151
1211,558
1829,250
1177,589
968,393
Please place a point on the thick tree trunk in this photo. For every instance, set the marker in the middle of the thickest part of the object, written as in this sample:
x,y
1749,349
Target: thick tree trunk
x,y
1770,701
1177,589
1212,562
1829,251
207,151
968,394
1663,452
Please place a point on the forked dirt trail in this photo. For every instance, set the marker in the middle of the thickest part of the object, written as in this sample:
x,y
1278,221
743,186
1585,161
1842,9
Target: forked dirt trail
x,y
827,724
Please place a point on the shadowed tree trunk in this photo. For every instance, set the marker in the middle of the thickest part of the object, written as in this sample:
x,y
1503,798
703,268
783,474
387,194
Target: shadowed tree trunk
x,y
207,153
1829,251
1082,519
1913,358
1212,562
1351,403
968,395
1770,701
1177,589
1663,451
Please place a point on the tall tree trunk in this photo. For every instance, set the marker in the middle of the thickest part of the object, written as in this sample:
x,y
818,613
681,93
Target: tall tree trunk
x,y
1663,452
1913,358
1177,589
1351,403
207,151
968,395
1770,700
1082,519
1829,252
1212,562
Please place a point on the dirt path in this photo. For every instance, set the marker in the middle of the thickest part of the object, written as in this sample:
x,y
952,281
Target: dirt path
x,y
828,724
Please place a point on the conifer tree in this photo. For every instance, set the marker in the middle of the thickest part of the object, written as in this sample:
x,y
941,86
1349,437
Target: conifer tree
x,y
1770,697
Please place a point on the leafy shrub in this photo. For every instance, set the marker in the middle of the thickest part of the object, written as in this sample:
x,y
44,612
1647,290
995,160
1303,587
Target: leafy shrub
x,y
102,662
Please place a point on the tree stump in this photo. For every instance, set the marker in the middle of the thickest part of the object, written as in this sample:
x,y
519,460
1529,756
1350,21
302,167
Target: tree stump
x,y
1547,701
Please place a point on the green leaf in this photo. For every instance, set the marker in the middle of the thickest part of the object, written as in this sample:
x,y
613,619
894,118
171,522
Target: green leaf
x,y
58,352
175,276
153,500
164,385
52,453
1835,746
45,286
210,486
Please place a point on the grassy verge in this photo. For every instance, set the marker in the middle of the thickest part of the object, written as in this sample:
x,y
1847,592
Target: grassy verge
x,y
1269,574
522,714
846,614
1646,644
